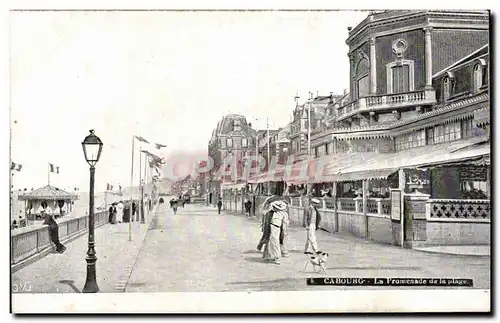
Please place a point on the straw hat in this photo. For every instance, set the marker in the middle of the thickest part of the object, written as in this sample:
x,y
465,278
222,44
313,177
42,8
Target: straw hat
x,y
279,205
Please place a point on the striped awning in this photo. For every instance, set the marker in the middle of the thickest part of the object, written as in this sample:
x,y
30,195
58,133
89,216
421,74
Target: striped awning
x,y
383,165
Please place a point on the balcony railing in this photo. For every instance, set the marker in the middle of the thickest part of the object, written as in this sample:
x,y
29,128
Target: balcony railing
x,y
386,102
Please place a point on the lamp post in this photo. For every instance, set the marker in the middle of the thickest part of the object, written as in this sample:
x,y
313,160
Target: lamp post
x,y
143,220
92,148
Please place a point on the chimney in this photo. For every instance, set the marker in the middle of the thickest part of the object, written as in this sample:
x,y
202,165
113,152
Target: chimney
x,y
249,125
331,97
346,91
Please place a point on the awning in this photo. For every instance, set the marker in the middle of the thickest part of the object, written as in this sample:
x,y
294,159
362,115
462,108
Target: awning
x,y
382,165
482,117
327,168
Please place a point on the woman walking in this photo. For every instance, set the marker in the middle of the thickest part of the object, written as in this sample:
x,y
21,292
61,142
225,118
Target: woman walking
x,y
276,223
53,232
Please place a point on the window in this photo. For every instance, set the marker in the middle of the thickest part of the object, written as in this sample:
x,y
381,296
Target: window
x,y
229,142
430,136
478,77
361,78
400,76
467,128
244,142
447,132
446,88
411,140
400,79
363,87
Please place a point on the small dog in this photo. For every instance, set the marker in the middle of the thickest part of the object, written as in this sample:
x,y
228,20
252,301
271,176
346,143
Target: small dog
x,y
317,261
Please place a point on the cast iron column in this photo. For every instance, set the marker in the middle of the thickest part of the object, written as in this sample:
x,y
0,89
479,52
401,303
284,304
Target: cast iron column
x,y
91,282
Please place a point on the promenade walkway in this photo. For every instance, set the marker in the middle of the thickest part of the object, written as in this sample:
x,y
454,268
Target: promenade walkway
x,y
66,273
198,250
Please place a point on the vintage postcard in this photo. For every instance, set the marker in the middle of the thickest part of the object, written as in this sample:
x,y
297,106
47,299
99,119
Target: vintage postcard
x,y
250,161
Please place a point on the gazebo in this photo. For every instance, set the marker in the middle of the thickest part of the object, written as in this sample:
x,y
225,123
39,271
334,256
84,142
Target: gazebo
x,y
50,199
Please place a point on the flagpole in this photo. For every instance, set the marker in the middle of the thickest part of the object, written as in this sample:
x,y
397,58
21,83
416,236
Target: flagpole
x,y
131,192
140,180
48,172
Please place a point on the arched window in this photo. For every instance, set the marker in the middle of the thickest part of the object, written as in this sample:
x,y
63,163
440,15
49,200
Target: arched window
x,y
362,80
478,76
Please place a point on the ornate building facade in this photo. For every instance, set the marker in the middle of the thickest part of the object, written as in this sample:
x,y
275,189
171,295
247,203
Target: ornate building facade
x,y
233,137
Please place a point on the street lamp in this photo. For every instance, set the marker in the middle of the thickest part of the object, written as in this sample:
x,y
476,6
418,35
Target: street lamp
x,y
143,220
92,147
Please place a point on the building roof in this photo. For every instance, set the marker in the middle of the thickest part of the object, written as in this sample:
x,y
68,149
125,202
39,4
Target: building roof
x,y
478,52
48,192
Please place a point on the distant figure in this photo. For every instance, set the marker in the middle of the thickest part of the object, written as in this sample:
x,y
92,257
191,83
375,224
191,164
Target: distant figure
x,y
14,224
134,209
219,206
119,212
175,205
53,232
161,200
183,202
248,207
110,214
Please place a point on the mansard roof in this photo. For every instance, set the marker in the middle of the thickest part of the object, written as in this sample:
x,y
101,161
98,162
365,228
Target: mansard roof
x,y
483,50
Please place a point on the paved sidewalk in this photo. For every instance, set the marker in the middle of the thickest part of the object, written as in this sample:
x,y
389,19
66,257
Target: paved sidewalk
x,y
198,250
66,273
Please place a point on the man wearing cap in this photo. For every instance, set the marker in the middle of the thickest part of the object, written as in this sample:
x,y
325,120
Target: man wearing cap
x,y
311,222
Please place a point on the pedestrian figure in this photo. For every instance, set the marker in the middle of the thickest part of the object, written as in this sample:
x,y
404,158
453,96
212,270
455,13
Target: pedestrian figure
x,y
174,206
248,207
14,224
53,231
134,209
265,229
110,214
276,221
219,206
114,214
311,222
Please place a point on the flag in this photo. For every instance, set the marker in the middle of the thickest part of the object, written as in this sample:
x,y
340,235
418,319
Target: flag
x,y
157,159
160,146
141,139
53,168
109,187
16,167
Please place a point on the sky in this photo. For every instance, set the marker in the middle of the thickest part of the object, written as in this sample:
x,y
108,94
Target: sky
x,y
166,76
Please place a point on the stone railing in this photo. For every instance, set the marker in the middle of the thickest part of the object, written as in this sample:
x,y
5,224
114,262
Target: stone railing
x,y
387,101
30,240
439,209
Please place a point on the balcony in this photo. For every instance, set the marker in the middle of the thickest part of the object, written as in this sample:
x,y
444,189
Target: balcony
x,y
386,102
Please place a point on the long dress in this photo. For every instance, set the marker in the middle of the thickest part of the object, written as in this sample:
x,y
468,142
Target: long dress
x,y
266,232
119,212
274,238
